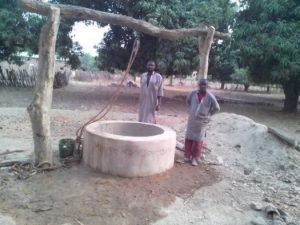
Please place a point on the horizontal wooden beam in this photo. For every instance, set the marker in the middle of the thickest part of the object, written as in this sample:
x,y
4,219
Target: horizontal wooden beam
x,y
80,13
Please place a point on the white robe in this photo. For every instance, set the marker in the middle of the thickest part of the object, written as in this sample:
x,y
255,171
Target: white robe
x,y
148,97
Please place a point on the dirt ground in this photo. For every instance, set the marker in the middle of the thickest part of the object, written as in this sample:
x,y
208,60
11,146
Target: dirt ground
x,y
244,165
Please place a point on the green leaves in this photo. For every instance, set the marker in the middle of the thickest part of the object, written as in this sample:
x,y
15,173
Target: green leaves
x,y
180,57
16,34
173,57
88,62
241,76
267,33
19,32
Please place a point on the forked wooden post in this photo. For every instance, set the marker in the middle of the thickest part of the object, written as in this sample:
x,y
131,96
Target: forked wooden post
x,y
205,43
40,106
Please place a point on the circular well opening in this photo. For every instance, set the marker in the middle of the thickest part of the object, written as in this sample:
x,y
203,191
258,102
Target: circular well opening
x,y
129,129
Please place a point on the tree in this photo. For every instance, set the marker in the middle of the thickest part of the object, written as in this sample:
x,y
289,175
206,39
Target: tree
x,y
222,62
20,31
223,56
179,57
66,49
172,57
241,76
87,62
267,37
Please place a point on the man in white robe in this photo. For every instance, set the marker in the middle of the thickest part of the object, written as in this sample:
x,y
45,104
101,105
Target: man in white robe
x,y
151,86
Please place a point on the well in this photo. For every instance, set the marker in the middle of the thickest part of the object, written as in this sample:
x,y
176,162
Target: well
x,y
128,148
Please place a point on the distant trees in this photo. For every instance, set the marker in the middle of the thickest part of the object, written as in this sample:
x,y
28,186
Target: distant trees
x,y
172,57
241,76
88,62
267,37
19,32
222,62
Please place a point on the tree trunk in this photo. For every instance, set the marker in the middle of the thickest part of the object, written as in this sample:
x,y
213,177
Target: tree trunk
x,y
291,90
39,108
204,49
171,81
222,85
81,13
246,87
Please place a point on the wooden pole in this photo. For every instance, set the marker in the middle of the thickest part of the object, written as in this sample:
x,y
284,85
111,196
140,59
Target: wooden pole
x,y
205,43
40,106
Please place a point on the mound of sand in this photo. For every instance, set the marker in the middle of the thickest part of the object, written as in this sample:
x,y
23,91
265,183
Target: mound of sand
x,y
257,168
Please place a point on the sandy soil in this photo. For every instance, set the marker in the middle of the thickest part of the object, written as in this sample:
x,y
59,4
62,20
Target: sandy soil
x,y
244,164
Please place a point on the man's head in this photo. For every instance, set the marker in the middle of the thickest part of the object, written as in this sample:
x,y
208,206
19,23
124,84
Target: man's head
x,y
150,66
202,85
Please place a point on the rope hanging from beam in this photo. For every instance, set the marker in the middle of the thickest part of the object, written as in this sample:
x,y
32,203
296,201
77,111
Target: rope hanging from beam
x,y
103,112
